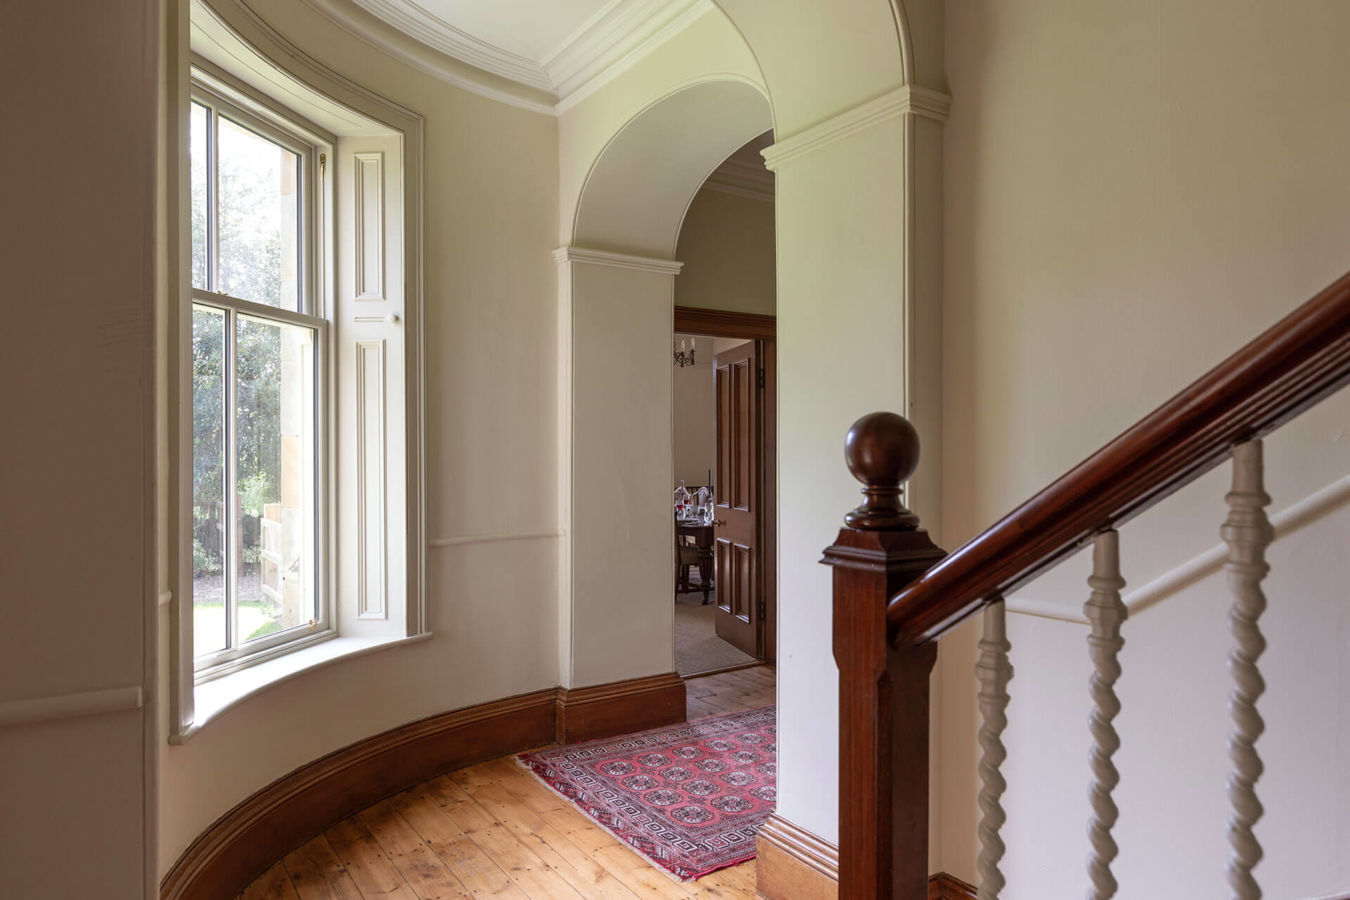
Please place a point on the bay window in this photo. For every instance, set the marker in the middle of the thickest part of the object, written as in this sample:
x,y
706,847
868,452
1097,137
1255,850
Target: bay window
x,y
296,373
258,343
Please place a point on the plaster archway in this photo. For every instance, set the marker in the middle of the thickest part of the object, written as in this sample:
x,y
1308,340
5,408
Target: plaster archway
x,y
858,98
617,302
636,194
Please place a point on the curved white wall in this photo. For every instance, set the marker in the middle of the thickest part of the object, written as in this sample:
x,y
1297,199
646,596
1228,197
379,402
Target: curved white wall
x,y
503,188
490,202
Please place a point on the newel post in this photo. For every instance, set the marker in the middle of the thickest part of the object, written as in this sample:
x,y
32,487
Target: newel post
x,y
883,692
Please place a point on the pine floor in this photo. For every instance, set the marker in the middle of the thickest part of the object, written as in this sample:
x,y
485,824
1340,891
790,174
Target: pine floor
x,y
492,830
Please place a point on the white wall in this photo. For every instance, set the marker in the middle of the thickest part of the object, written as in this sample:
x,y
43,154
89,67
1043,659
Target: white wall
x,y
490,205
77,548
726,245
1132,191
1174,727
695,427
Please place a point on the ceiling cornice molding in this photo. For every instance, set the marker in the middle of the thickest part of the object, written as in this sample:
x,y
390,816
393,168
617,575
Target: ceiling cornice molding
x,y
438,34
613,41
614,260
610,42
743,179
365,26
904,100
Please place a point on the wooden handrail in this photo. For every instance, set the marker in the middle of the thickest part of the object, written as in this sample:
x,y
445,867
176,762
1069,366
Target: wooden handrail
x,y
1291,366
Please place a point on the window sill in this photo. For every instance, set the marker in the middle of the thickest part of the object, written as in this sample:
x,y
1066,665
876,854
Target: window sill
x,y
214,697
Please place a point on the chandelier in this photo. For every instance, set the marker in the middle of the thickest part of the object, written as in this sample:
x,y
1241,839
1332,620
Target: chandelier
x,y
682,358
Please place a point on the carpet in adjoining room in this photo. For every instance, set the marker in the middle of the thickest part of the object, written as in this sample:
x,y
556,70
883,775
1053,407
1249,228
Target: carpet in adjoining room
x,y
688,797
698,649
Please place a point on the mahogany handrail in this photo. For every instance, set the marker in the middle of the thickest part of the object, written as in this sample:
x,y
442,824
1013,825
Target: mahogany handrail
x,y
1288,368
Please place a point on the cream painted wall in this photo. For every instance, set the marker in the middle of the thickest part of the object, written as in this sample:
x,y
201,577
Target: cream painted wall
x,y
726,245
836,306
695,426
77,564
490,206
1117,222
623,623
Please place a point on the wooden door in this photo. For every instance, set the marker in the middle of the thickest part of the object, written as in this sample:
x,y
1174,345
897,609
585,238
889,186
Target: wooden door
x,y
740,583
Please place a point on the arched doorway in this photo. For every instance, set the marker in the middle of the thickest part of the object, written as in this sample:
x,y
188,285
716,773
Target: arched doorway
x,y
616,287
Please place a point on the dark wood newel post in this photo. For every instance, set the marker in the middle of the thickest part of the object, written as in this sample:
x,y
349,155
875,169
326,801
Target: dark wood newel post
x,y
883,692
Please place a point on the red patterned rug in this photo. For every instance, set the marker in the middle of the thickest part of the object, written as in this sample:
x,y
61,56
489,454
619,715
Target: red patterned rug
x,y
689,797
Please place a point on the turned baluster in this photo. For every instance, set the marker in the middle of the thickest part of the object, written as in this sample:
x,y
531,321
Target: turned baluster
x,y
1247,532
994,671
1105,613
883,691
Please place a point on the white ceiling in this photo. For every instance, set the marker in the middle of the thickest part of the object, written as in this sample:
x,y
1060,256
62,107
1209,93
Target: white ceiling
x,y
558,48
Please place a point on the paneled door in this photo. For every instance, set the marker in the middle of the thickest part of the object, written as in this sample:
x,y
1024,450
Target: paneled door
x,y
740,584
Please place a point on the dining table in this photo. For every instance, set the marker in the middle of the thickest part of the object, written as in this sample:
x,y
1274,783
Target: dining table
x,y
702,534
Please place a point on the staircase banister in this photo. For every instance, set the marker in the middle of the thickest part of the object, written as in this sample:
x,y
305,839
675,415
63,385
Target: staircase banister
x,y
1291,366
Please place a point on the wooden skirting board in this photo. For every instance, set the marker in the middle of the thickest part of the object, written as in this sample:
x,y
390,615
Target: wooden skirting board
x,y
619,708
795,864
241,844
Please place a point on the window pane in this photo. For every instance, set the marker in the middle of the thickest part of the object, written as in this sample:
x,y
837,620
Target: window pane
x,y
209,515
275,416
200,169
258,211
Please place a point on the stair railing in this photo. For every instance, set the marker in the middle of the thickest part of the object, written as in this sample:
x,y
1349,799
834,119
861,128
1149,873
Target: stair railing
x,y
896,593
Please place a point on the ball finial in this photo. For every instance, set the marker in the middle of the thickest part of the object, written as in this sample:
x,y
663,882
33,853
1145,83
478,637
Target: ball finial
x,y
882,451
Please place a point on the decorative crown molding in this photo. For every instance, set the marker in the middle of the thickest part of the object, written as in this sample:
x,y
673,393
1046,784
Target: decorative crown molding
x,y
612,41
742,178
904,100
609,42
413,20
617,260
369,28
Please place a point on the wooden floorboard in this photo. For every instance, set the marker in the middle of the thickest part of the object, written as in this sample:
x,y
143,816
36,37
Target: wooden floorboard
x,y
494,831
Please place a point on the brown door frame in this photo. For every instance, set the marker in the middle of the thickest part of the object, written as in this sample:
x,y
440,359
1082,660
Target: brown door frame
x,y
764,330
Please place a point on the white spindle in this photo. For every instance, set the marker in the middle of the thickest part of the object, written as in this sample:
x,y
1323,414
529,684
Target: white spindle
x,y
1105,612
994,672
1247,532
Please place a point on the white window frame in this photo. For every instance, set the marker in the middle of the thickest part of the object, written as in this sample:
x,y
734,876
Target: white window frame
x,y
315,246
235,53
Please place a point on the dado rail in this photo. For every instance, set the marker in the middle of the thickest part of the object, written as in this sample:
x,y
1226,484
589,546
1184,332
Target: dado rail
x,y
896,593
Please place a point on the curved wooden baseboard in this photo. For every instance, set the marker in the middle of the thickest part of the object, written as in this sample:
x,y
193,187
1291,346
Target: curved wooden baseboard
x,y
252,836
795,864
620,707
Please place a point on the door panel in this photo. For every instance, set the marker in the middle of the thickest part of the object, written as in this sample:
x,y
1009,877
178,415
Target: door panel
x,y
736,531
